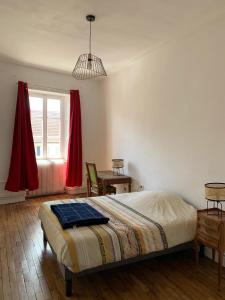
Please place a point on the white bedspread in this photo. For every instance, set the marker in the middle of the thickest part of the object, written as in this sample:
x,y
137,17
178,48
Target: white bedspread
x,y
177,217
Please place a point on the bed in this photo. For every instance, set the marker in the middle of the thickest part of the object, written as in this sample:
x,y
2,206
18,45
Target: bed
x,y
142,225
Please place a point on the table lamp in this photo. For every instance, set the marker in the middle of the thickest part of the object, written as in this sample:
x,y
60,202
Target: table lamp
x,y
117,166
215,193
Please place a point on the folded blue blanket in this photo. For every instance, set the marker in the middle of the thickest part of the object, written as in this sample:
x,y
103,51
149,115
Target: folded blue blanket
x,y
79,214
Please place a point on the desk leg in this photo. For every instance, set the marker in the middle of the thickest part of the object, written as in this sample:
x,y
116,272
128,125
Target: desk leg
x,y
103,189
129,187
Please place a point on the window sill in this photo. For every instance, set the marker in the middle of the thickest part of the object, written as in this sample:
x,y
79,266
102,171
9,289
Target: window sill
x,y
50,161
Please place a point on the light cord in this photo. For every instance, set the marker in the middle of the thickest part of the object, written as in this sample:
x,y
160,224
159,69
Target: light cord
x,y
90,39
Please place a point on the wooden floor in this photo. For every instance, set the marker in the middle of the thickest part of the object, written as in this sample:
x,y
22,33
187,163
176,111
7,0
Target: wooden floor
x,y
27,271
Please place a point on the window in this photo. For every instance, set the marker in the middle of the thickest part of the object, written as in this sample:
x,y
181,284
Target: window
x,y
53,128
48,125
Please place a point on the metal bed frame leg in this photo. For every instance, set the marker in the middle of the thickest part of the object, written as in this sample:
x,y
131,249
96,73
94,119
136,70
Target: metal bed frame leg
x,y
202,251
68,282
45,240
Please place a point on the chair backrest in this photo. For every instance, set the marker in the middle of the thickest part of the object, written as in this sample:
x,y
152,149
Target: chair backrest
x,y
92,174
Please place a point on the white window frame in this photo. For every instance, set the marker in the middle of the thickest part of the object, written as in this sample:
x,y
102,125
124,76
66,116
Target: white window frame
x,y
45,96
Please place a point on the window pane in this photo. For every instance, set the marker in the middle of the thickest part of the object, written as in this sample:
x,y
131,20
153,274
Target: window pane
x,y
38,150
53,150
36,108
53,108
53,128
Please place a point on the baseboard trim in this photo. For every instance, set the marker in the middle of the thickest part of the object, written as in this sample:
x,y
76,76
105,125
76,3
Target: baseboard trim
x,y
7,197
71,192
12,199
74,191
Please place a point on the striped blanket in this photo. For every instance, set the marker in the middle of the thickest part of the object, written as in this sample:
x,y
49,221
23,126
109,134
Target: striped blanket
x,y
127,234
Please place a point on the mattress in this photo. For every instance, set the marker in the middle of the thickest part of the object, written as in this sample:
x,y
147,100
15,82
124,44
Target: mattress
x,y
140,223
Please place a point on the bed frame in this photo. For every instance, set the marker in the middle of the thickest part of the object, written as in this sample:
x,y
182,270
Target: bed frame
x,y
68,275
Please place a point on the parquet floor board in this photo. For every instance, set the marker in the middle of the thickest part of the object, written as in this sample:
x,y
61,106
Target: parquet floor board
x,y
30,272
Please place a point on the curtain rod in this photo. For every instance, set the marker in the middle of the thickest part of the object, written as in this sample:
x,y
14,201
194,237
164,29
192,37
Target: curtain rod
x,y
48,89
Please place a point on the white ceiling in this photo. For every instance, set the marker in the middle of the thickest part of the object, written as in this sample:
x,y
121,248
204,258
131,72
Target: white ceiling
x,y
53,33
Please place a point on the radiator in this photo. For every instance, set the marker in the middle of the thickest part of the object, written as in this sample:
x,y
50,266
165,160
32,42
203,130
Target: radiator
x,y
51,176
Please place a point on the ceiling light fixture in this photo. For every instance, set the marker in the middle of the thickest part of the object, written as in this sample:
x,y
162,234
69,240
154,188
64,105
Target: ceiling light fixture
x,y
88,65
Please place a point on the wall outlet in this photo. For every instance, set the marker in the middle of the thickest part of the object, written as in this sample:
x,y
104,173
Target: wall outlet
x,y
141,187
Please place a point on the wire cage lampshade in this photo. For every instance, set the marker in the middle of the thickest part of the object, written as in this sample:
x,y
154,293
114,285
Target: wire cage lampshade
x,y
215,193
117,166
88,65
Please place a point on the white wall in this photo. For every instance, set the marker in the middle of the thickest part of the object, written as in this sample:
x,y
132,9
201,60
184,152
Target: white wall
x,y
92,109
166,114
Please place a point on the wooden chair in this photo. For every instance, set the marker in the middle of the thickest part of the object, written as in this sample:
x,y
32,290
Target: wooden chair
x,y
95,185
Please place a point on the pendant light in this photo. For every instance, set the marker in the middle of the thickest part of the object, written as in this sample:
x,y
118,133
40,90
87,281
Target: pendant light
x,y
88,65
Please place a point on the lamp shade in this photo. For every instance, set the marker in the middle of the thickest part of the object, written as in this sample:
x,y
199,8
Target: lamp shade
x,y
215,191
88,66
117,163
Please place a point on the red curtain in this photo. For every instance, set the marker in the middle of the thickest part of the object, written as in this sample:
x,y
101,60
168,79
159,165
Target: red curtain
x,y
23,173
74,161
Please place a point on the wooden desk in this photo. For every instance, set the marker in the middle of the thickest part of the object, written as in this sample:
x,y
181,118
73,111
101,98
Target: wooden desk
x,y
107,178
